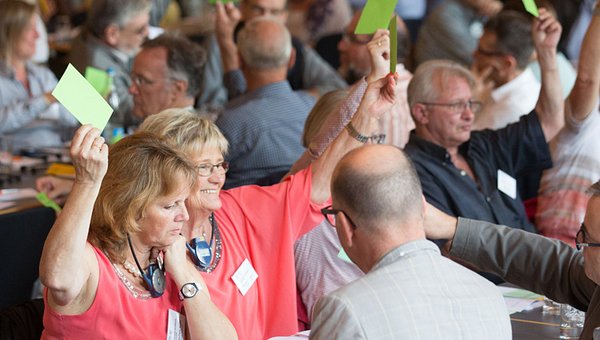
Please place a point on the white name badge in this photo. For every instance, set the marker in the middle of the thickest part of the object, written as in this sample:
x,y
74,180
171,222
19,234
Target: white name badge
x,y
175,325
507,184
244,277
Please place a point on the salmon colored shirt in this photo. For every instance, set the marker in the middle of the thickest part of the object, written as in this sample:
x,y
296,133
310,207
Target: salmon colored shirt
x,y
115,313
261,224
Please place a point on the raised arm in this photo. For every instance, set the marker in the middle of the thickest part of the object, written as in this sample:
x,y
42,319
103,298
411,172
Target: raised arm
x,y
584,95
379,98
379,51
68,266
228,16
550,106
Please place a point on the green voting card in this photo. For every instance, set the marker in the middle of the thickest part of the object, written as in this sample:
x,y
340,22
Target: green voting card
x,y
81,99
393,44
531,7
376,14
98,79
213,2
342,255
47,202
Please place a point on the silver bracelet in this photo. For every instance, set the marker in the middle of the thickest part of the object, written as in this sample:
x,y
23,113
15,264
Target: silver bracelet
x,y
377,138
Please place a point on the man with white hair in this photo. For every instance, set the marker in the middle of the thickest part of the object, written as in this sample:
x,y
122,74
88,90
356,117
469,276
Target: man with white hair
x,y
264,125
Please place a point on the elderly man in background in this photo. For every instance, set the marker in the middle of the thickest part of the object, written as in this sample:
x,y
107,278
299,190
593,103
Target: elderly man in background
x,y
264,125
167,73
112,36
473,174
309,71
410,290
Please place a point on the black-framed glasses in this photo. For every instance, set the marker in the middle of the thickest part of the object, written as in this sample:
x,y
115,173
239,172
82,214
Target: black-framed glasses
x,y
330,213
460,106
207,169
580,239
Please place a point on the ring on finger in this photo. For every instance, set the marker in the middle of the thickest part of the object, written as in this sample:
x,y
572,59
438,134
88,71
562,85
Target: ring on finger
x,y
379,43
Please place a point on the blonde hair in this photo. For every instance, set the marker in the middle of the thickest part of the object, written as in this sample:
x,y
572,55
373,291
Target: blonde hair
x,y
15,15
141,168
186,131
328,104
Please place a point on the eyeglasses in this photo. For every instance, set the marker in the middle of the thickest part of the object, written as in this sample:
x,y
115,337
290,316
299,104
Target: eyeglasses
x,y
330,213
581,237
141,81
207,169
460,106
353,38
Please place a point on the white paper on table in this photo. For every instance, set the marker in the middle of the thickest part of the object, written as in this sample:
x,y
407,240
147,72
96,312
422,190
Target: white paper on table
x,y
515,304
301,335
16,194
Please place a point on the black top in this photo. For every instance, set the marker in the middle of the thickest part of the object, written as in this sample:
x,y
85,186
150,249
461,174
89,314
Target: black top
x,y
517,149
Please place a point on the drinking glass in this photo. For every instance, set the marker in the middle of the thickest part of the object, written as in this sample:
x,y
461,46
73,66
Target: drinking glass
x,y
571,322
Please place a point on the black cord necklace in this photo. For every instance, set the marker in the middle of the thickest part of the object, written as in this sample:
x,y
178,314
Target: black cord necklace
x,y
155,278
201,251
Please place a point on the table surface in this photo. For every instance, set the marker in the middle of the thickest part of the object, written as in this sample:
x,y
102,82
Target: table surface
x,y
533,324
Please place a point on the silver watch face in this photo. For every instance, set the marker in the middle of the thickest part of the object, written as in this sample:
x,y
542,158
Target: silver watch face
x,y
189,290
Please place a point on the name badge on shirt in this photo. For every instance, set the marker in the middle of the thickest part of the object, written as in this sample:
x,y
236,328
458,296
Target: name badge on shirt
x,y
175,325
507,184
244,277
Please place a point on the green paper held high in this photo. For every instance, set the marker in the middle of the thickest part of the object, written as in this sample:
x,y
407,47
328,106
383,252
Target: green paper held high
x,y
81,99
531,7
393,44
376,14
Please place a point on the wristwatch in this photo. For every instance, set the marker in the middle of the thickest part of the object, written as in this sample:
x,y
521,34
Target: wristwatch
x,y
188,290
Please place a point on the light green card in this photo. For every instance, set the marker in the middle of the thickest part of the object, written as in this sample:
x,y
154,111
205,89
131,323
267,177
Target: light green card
x,y
342,255
47,202
98,79
531,7
393,44
81,99
523,294
212,2
376,14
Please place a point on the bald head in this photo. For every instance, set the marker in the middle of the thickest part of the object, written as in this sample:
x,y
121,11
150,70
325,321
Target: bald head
x,y
379,186
265,44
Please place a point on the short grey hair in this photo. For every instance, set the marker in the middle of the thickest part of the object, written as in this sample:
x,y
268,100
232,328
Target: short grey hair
x,y
393,195
427,82
186,60
104,13
259,53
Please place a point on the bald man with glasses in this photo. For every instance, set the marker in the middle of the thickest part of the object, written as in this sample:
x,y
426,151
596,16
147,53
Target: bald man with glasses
x,y
410,290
